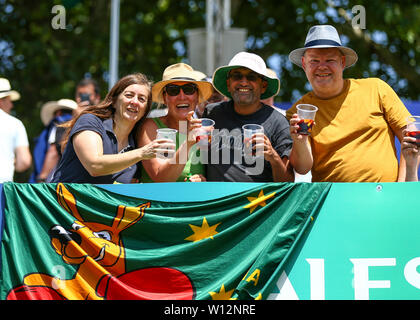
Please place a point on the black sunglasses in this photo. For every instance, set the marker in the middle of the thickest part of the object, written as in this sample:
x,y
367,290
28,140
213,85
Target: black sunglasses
x,y
252,76
173,89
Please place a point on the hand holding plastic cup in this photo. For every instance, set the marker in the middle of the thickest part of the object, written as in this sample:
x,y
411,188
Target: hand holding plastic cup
x,y
306,113
413,128
252,148
203,135
169,134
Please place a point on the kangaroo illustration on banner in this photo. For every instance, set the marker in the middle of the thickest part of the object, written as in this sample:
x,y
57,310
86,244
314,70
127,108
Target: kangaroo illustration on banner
x,y
98,251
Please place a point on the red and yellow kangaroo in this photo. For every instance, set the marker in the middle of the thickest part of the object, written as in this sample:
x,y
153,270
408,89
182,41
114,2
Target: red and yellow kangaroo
x,y
99,252
97,249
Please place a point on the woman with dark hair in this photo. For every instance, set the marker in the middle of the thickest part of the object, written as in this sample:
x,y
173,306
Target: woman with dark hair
x,y
99,145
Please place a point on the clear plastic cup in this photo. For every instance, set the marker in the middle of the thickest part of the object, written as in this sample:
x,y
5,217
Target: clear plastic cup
x,y
413,128
166,133
252,149
306,113
203,134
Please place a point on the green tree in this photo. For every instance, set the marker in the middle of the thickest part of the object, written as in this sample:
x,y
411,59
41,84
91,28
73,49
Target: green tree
x,y
388,48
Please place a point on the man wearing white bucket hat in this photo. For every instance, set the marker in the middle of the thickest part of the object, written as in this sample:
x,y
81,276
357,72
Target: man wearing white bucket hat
x,y
15,155
245,81
357,119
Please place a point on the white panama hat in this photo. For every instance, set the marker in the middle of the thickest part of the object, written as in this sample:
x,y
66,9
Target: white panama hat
x,y
252,62
48,109
323,36
6,90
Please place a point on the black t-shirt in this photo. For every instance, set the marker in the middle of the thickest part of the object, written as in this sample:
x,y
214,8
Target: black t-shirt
x,y
225,159
70,169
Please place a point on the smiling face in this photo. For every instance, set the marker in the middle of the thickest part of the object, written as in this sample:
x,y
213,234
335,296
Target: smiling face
x,y
179,105
246,87
131,104
103,245
324,70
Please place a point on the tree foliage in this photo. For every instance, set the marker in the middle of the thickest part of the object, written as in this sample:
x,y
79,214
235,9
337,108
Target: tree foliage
x,y
388,48
45,64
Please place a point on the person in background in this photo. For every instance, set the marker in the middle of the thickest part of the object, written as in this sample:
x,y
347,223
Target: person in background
x,y
47,150
15,153
45,153
99,144
245,82
270,101
353,139
87,94
216,96
181,89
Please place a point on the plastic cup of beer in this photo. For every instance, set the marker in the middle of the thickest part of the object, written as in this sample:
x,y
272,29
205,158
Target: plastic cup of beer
x,y
169,134
203,135
251,148
413,128
306,113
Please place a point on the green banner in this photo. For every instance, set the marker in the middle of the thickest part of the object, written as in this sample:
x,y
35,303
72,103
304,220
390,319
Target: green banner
x,y
365,245
75,241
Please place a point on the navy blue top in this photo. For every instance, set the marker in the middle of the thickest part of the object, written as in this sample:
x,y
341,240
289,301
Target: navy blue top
x,y
70,169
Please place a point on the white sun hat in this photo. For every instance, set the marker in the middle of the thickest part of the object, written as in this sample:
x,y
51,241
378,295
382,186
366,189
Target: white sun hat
x,y
6,90
48,109
252,62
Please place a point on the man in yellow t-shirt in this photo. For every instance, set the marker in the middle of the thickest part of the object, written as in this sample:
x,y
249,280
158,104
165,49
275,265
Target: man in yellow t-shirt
x,y
357,119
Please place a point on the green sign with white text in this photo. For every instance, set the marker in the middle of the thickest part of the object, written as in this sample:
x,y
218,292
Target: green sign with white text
x,y
365,244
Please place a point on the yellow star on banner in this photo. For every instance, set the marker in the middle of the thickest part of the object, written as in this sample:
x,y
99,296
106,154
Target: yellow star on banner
x,y
258,201
203,232
222,294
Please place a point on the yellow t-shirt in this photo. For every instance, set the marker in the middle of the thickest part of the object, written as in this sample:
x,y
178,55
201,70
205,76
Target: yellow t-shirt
x,y
352,139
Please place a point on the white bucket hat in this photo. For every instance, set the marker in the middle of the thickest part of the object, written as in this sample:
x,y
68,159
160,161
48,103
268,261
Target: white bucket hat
x,y
6,90
252,62
323,36
48,109
181,72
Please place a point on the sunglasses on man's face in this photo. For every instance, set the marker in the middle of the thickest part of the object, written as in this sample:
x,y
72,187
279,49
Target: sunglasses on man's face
x,y
252,76
174,90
